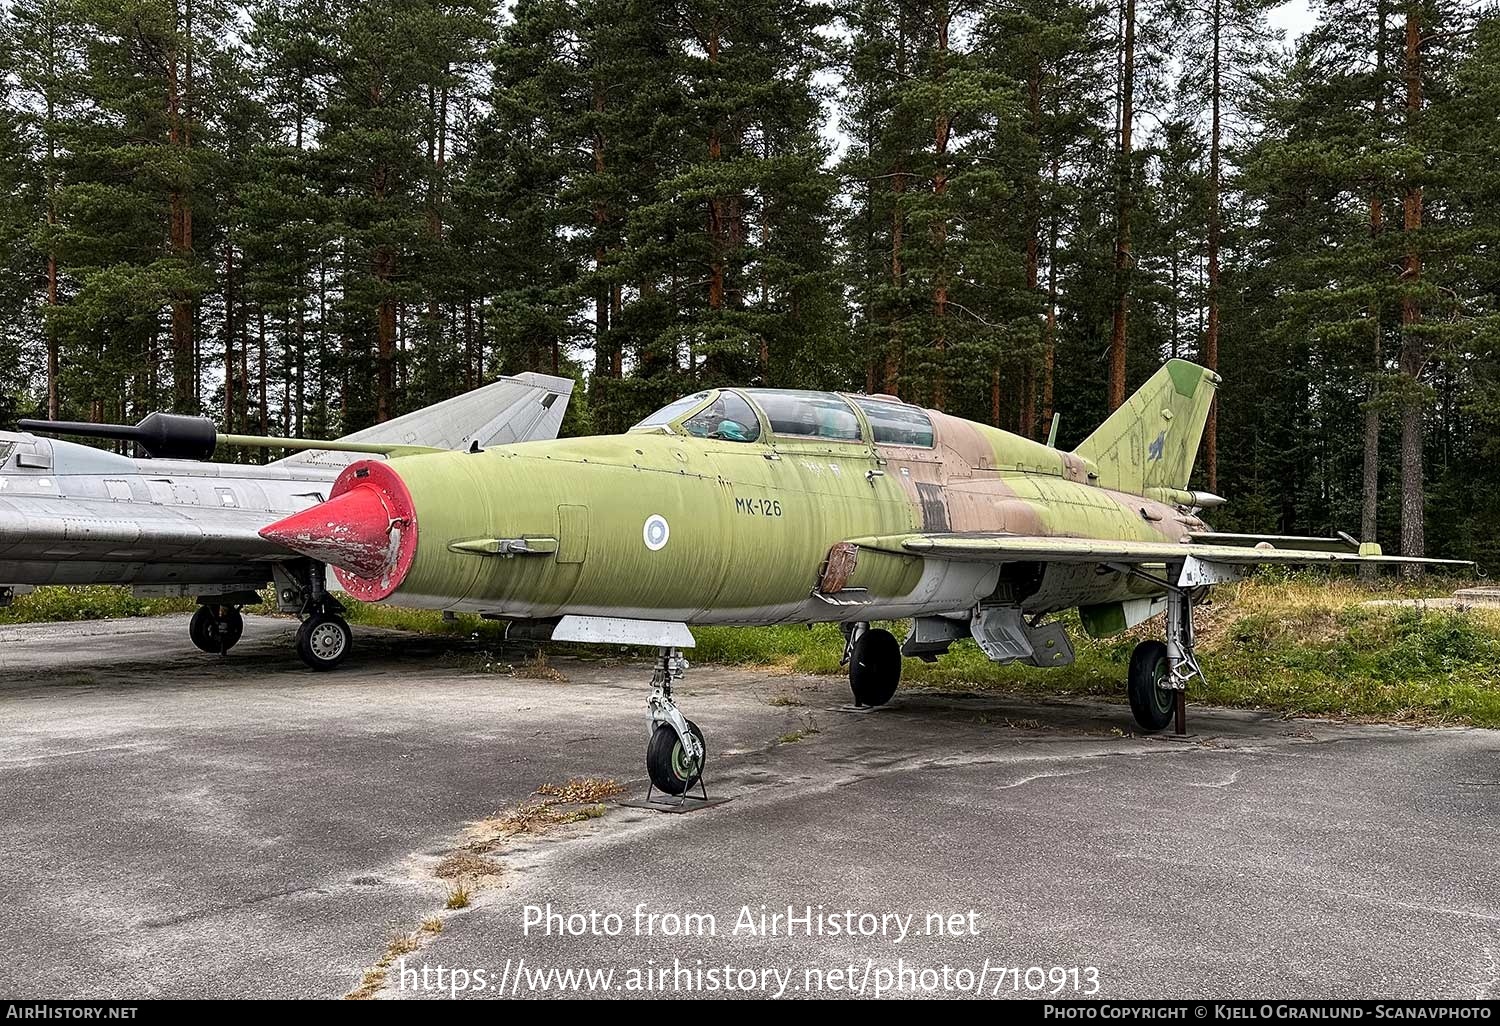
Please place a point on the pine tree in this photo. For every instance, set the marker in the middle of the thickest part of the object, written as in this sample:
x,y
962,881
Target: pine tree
x,y
371,141
510,205
19,195
1054,54
46,50
139,157
1222,45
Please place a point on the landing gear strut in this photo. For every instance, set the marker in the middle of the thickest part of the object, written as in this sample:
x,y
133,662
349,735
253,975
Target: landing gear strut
x,y
216,628
675,753
324,638
873,656
1159,673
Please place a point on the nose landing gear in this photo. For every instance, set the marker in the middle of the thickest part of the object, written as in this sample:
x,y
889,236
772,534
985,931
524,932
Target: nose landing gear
x,y
675,753
324,638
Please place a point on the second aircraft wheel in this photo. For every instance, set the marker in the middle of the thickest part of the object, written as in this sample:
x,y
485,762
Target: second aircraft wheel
x,y
323,641
1152,705
216,628
668,765
875,667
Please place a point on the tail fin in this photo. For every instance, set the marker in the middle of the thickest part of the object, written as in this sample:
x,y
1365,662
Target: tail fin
x,y
1152,440
522,408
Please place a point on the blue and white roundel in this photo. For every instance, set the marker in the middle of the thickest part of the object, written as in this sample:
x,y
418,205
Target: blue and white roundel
x,y
656,532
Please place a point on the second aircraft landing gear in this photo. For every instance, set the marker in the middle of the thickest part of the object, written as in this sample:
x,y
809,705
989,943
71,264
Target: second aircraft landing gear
x,y
675,753
216,628
873,656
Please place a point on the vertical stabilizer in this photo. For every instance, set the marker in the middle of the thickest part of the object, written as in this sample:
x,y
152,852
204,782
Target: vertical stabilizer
x,y
1152,440
528,407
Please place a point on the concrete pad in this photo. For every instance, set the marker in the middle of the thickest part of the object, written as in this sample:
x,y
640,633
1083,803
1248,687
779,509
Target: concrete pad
x,y
181,825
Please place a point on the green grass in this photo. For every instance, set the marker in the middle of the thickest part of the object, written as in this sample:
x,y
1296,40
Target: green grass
x,y
93,602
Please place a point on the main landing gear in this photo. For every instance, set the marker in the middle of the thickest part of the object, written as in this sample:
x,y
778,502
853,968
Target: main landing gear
x,y
215,628
873,656
675,753
1159,672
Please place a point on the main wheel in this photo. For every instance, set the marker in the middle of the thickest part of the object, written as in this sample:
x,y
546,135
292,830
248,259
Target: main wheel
x,y
1151,704
875,667
216,628
323,641
668,765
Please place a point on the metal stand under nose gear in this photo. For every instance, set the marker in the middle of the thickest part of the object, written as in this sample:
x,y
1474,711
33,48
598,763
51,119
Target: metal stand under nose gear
x,y
675,750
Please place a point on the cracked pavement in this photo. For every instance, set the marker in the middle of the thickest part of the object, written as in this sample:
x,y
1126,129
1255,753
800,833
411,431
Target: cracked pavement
x,y
178,825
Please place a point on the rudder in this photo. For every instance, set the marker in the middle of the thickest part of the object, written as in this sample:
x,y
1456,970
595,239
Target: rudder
x,y
1152,440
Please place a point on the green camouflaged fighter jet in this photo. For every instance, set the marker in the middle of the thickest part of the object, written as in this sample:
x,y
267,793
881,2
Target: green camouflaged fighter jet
x,y
765,506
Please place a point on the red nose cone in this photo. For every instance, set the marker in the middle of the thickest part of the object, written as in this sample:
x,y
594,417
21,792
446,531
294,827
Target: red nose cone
x,y
367,530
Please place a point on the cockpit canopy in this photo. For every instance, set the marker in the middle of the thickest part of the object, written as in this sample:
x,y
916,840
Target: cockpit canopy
x,y
741,415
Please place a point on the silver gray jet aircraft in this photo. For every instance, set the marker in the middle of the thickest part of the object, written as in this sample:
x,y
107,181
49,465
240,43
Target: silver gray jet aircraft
x,y
173,524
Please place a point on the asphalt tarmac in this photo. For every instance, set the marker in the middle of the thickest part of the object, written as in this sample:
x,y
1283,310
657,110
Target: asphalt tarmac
x,y
178,825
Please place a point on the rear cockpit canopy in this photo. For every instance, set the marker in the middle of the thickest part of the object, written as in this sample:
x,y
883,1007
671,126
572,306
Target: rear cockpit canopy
x,y
744,415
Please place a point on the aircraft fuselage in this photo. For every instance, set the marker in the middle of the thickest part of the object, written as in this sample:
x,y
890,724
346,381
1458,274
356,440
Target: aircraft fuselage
x,y
656,526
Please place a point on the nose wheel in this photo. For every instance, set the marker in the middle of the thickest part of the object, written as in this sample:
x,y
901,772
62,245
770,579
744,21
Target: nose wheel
x,y
323,640
668,762
675,751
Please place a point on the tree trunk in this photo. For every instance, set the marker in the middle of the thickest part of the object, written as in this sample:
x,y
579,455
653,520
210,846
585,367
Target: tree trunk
x,y
1049,331
893,353
179,135
54,395
54,402
385,337
763,357
1125,203
1413,351
264,422
1032,256
942,130
469,381
229,369
716,205
439,160
603,357
1211,336
1369,515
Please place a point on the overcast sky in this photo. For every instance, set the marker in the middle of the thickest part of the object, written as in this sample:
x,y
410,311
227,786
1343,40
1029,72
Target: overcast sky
x,y
1294,17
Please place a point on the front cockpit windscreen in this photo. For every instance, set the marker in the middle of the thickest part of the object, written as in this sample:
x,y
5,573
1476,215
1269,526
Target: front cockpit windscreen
x,y
670,412
728,418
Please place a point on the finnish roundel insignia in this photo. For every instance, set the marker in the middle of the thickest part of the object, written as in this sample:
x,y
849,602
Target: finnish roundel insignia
x,y
656,532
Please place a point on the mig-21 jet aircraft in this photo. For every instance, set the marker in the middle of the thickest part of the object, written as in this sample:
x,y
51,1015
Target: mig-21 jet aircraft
x,y
765,506
173,523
